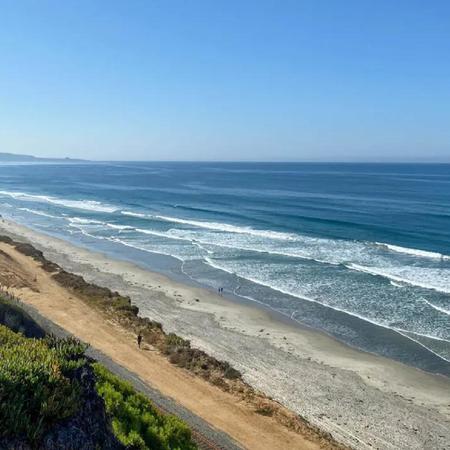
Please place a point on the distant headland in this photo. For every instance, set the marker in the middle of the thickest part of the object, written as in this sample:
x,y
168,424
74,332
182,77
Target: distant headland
x,y
13,157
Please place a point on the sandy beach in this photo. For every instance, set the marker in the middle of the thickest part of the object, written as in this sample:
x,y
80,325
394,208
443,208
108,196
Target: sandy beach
x,y
363,400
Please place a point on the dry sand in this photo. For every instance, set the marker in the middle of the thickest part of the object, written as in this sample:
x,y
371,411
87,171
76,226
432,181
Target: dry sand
x,y
363,400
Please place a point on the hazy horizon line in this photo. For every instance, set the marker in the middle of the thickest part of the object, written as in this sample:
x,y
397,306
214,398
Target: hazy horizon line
x,y
249,161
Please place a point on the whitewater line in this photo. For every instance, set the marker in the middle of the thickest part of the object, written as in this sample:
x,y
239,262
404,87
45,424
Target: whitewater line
x,y
413,251
377,272
89,205
437,308
301,297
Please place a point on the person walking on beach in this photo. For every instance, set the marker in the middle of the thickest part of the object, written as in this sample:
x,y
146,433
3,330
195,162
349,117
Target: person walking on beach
x,y
139,339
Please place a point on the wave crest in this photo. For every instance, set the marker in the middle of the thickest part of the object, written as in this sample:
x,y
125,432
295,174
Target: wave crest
x,y
412,251
396,277
88,205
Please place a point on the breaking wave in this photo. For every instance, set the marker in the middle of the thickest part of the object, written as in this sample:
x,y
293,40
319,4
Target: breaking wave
x,y
88,205
395,275
413,251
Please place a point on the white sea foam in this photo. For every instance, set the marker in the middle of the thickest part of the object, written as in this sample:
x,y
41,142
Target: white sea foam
x,y
82,221
138,247
397,275
85,233
187,236
413,251
437,308
250,243
201,247
289,292
89,205
78,222
406,335
218,226
353,255
213,240
119,227
424,335
159,234
211,263
133,214
39,213
332,252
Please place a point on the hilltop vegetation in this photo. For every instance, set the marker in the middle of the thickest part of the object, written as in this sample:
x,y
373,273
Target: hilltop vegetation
x,y
52,396
37,383
135,420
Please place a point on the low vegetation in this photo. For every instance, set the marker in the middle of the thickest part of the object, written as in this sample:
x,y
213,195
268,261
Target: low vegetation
x,y
41,387
135,420
37,388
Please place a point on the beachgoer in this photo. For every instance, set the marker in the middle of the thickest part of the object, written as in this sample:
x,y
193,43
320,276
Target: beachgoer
x,y
139,339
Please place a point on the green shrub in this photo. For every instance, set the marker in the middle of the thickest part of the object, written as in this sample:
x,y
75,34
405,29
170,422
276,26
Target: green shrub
x,y
70,350
136,422
172,340
35,387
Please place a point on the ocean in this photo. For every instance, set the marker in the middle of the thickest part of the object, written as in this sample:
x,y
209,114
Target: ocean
x,y
359,251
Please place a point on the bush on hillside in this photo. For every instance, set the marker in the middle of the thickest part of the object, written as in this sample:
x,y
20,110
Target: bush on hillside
x,y
40,387
36,389
136,422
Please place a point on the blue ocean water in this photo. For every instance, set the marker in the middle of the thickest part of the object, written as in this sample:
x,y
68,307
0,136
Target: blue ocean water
x,y
360,251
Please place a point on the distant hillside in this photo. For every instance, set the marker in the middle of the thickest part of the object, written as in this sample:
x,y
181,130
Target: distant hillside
x,y
12,157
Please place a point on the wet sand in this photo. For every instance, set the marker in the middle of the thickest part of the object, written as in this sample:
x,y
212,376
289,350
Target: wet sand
x,y
363,400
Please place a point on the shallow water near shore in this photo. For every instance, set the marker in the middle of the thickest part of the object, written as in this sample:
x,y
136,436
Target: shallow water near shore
x,y
358,251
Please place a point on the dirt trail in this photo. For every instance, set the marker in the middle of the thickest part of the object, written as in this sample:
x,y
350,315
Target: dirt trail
x,y
221,410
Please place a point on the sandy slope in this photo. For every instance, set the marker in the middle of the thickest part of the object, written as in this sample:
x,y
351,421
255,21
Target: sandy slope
x,y
216,407
364,400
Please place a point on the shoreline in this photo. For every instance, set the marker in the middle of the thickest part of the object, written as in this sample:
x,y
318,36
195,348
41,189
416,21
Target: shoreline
x,y
352,330
108,323
356,396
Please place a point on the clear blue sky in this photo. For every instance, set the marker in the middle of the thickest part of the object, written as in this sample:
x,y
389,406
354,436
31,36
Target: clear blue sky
x,y
228,80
